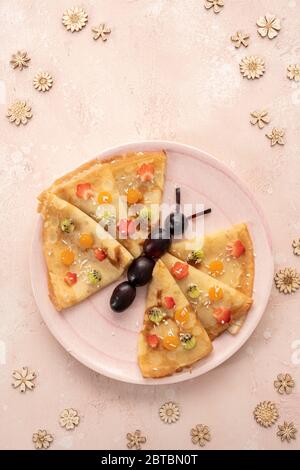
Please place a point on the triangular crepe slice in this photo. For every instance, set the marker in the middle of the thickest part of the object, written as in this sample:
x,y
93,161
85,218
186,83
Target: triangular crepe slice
x,y
95,188
172,337
142,176
81,256
217,305
227,255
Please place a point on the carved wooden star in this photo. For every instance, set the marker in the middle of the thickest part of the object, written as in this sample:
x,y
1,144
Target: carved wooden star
x,y
101,31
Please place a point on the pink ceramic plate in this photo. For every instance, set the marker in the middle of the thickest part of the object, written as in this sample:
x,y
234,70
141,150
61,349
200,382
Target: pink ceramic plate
x,y
107,342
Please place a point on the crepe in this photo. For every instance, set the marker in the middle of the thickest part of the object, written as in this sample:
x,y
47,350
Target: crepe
x,y
81,256
96,186
217,305
172,337
225,246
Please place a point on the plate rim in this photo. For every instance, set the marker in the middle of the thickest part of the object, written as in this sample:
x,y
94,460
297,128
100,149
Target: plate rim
x,y
172,146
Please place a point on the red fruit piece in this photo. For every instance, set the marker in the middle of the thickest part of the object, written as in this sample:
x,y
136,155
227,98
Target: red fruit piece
x,y
146,172
70,279
222,315
153,341
169,303
235,249
84,191
126,227
123,227
180,270
100,254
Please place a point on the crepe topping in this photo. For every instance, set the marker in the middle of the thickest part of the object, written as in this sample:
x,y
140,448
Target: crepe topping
x,y
215,293
86,241
100,254
180,270
222,315
216,267
156,315
182,316
104,197
67,226
193,291
146,172
70,278
171,342
134,196
235,249
169,302
153,341
84,191
67,257
94,276
188,341
195,256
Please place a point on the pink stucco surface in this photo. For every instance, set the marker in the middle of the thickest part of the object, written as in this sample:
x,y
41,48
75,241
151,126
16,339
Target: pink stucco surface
x,y
168,71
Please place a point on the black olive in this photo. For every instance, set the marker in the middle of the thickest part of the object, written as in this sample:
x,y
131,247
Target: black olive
x,y
176,224
122,296
140,271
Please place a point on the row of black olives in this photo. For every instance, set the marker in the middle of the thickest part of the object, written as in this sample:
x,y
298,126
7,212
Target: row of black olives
x,y
140,270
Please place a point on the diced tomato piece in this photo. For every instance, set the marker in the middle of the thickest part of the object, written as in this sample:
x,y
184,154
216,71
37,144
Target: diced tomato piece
x,y
236,248
70,279
146,172
100,254
153,341
180,270
169,302
84,191
222,315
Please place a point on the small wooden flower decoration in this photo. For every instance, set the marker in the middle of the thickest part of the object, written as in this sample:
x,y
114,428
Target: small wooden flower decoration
x,y
135,440
200,435
293,72
74,19
24,379
287,431
252,67
296,247
276,136
69,418
19,112
216,5
284,384
287,280
102,31
266,414
42,439
169,413
261,118
20,60
240,39
268,25
43,81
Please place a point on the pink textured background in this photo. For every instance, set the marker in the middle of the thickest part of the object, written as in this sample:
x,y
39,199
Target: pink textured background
x,y
168,71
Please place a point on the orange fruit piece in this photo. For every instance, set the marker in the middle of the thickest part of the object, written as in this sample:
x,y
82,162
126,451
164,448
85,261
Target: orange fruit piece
x,y
182,316
133,196
67,257
86,240
216,267
171,342
104,197
215,293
